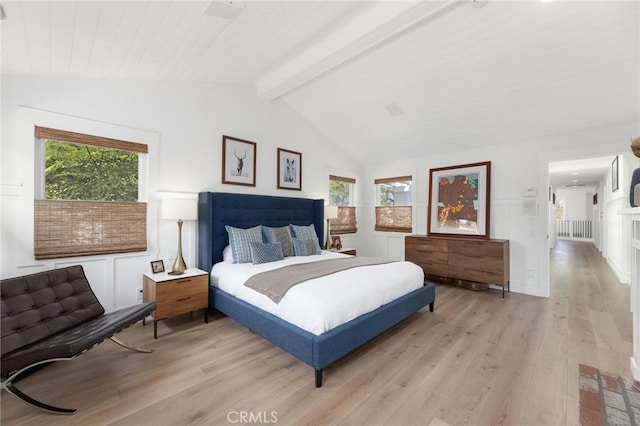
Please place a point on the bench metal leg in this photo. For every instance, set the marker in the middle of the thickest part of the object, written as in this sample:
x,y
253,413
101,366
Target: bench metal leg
x,y
7,384
131,348
41,405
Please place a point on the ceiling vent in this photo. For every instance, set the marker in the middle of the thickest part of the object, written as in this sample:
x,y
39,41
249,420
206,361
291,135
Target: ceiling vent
x,y
393,109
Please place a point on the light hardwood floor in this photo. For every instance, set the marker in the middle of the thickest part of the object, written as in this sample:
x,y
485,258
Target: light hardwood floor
x,y
477,360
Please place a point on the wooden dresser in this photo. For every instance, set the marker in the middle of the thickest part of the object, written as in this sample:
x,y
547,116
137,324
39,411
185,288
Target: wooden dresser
x,y
470,260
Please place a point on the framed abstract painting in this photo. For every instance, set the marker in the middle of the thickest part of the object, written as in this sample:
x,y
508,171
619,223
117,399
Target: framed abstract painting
x,y
459,198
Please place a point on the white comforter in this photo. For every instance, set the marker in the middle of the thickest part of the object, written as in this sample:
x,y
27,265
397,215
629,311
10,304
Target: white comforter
x,y
323,303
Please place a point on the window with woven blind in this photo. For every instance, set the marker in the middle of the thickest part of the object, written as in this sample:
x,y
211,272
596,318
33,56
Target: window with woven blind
x,y
88,203
394,209
341,195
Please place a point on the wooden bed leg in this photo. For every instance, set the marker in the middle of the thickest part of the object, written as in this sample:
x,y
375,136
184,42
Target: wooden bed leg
x,y
431,306
318,378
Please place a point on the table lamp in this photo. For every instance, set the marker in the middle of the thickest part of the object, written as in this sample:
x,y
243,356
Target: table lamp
x,y
330,212
179,209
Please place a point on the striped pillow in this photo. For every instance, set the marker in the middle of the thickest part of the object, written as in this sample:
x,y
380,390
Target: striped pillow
x,y
240,241
307,232
306,247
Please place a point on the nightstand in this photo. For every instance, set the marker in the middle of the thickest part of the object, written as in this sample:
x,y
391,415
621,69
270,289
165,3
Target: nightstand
x,y
176,294
350,251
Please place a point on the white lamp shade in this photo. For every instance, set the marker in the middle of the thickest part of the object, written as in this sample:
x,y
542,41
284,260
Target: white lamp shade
x,y
331,212
179,208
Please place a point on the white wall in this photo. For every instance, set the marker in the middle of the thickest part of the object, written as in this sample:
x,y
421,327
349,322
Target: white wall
x,y
514,167
184,123
578,202
188,121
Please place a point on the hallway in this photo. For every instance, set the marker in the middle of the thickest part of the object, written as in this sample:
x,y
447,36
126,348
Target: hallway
x,y
600,323
587,295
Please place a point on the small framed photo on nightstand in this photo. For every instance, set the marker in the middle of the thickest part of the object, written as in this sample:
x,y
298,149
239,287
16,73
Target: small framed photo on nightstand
x,y
157,266
336,242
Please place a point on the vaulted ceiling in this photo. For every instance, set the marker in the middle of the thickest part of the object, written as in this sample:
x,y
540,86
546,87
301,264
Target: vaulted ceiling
x,y
385,80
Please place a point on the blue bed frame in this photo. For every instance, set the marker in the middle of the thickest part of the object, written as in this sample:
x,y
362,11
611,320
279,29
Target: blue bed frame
x,y
216,209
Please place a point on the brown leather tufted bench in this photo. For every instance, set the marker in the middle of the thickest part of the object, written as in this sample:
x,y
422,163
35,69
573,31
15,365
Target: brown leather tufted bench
x,y
54,316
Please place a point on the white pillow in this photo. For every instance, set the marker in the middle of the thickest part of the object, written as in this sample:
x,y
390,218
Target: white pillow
x,y
227,254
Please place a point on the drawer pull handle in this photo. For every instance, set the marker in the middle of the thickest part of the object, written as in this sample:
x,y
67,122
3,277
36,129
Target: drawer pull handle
x,y
184,281
183,299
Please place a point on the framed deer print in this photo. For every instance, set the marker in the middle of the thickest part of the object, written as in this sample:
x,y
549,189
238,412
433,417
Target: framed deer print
x,y
289,169
238,161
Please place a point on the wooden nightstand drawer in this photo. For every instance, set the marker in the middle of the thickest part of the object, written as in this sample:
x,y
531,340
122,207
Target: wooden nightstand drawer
x,y
180,296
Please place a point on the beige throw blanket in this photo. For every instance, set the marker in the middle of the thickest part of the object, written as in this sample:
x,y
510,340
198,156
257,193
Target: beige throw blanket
x,y
275,283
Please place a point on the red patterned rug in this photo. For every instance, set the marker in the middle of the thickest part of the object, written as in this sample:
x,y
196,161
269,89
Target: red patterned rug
x,y
608,399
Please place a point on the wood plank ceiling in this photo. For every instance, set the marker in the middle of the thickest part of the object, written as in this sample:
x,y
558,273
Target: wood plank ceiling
x,y
452,73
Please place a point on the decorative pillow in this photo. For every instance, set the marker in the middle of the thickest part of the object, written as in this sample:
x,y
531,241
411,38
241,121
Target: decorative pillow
x,y
279,235
240,240
266,252
227,255
306,232
306,247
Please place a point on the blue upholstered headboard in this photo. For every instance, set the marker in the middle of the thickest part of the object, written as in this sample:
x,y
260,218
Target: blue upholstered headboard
x,y
217,209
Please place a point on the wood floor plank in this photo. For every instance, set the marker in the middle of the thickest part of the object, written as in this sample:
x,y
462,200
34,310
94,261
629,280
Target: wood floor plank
x,y
477,360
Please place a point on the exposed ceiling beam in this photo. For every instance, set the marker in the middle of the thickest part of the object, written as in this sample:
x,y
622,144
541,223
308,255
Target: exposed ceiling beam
x,y
355,36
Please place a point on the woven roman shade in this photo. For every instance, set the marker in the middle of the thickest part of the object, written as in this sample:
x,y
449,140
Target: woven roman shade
x,y
342,179
393,179
66,228
81,138
394,218
346,222
70,228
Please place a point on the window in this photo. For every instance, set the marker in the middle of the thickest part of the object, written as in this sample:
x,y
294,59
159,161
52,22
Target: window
x,y
393,212
341,195
88,200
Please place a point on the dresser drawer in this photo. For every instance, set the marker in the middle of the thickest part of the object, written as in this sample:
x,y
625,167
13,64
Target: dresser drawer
x,y
434,268
425,245
476,274
477,248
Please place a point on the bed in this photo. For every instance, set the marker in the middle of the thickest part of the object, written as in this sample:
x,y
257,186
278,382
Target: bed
x,y
216,210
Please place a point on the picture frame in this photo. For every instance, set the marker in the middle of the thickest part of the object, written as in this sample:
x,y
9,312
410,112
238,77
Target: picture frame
x,y
336,242
289,169
459,200
238,161
614,175
157,266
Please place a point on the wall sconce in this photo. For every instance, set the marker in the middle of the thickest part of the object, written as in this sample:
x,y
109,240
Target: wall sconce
x,y
179,209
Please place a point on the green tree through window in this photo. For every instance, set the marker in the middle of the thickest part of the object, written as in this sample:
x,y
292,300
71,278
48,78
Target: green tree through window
x,y
338,193
83,172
